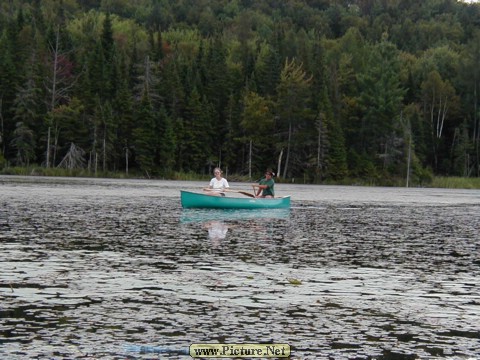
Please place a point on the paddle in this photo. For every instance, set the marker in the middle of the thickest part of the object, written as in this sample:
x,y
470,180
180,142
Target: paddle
x,y
229,190
241,192
235,191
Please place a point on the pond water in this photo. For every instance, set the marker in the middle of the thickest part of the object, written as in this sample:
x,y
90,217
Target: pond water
x,y
91,268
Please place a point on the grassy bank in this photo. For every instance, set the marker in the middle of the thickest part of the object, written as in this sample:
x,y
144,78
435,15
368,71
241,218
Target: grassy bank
x,y
437,182
455,182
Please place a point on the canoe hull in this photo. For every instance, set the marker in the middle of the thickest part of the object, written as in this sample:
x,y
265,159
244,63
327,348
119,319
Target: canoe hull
x,y
196,200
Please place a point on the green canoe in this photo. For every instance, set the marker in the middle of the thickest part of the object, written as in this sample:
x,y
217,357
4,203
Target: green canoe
x,y
196,200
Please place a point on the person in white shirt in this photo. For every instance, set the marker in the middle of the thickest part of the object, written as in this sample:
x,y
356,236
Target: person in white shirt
x,y
218,184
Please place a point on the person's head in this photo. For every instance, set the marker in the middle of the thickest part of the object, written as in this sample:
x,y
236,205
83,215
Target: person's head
x,y
217,172
269,174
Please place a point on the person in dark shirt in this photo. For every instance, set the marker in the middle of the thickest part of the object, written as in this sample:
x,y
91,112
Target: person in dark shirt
x,y
265,188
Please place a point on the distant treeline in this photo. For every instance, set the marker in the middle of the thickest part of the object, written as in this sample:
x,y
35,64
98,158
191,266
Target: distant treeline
x,y
320,90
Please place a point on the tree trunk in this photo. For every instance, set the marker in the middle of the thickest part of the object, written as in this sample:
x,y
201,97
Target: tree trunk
x,y
476,132
409,156
288,149
94,149
48,148
56,135
319,144
250,162
1,127
279,162
104,151
126,160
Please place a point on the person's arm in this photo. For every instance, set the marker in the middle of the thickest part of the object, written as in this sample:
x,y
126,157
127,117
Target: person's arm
x,y
260,188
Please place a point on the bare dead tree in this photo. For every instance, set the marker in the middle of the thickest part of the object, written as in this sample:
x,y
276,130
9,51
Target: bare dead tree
x,y
74,159
58,86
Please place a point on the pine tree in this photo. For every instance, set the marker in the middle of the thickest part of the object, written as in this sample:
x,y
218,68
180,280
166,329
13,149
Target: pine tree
x,y
27,108
292,98
197,133
9,78
145,136
109,60
23,143
123,114
381,99
167,141
258,124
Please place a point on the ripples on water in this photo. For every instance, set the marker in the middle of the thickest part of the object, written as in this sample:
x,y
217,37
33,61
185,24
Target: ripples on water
x,y
87,269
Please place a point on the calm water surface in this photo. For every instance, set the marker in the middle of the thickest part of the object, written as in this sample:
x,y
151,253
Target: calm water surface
x,y
91,267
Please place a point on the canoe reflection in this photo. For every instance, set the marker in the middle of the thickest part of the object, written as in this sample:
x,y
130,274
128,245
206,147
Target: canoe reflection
x,y
218,221
204,215
217,230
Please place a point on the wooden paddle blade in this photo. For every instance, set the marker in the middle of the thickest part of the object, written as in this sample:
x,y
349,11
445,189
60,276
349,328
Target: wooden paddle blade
x,y
246,193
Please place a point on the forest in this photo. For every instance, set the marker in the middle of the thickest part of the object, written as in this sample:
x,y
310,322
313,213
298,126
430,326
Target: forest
x,y
318,90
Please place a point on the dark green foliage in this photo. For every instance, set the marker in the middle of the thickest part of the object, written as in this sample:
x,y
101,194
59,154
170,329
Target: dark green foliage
x,y
123,115
145,136
268,73
23,143
336,154
197,141
166,142
381,102
344,89
362,166
68,125
9,80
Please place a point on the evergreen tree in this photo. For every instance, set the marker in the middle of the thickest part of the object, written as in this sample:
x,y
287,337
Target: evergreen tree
x,y
197,133
145,136
331,153
258,124
336,159
217,90
233,154
9,78
371,64
171,89
67,126
469,86
123,113
381,100
166,143
24,144
27,110
267,71
292,98
462,147
107,134
109,66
